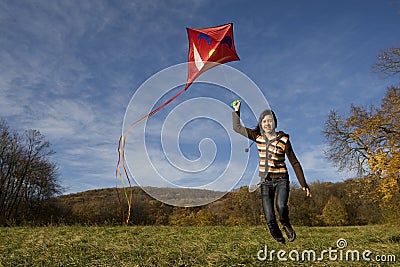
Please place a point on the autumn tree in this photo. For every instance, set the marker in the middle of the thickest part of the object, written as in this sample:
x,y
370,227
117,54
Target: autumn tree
x,y
304,210
183,217
334,212
205,217
388,62
239,207
368,141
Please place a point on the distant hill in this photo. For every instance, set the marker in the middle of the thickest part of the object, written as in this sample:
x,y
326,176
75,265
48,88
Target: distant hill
x,y
184,197
101,205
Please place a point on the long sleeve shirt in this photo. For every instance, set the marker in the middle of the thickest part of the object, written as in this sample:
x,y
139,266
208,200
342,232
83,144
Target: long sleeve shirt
x,y
271,152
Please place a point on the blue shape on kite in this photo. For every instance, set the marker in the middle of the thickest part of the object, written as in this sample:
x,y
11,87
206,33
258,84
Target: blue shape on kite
x,y
204,36
227,40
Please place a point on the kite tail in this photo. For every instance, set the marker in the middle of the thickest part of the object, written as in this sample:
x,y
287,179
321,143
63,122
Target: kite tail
x,y
121,164
119,174
123,175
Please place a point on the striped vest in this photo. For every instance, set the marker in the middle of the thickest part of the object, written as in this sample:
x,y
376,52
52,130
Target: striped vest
x,y
272,154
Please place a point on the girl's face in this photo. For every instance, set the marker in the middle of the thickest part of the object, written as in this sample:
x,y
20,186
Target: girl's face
x,y
268,124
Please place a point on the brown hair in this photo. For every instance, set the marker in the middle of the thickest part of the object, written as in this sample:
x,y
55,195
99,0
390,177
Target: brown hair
x,y
266,112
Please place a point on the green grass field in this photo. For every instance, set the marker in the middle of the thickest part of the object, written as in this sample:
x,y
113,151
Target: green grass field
x,y
194,246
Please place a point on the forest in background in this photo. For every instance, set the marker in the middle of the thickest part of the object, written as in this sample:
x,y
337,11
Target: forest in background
x,y
332,204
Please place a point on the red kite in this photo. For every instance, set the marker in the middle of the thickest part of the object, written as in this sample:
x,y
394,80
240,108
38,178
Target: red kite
x,y
208,48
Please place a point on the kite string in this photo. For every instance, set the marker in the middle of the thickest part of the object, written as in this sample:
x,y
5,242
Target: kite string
x,y
233,96
121,159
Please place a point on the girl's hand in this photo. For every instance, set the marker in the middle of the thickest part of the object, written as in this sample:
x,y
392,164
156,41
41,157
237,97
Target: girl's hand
x,y
236,105
308,192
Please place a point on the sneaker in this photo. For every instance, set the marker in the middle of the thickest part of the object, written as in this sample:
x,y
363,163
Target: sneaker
x,y
290,233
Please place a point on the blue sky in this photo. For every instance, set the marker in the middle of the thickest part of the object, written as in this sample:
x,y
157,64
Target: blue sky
x,y
70,68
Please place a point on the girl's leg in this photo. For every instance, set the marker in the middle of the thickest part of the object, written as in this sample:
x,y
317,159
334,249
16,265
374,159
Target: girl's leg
x,y
268,195
282,197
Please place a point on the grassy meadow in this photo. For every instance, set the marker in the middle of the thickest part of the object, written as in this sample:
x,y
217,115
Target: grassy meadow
x,y
193,246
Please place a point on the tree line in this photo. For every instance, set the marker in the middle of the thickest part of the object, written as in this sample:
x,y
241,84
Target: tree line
x,y
332,204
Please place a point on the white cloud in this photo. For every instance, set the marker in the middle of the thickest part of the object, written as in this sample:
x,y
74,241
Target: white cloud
x,y
317,167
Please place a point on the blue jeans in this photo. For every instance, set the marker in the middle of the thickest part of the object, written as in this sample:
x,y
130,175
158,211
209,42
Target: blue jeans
x,y
276,189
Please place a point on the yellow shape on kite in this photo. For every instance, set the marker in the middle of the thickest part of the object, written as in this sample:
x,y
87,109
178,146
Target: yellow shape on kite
x,y
211,52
